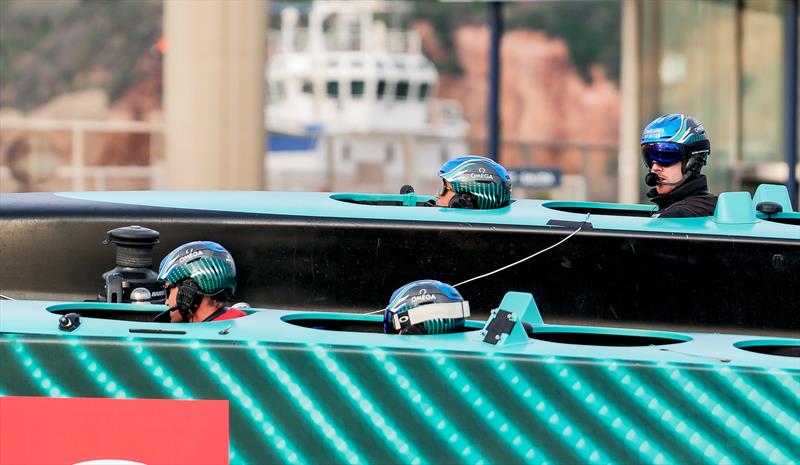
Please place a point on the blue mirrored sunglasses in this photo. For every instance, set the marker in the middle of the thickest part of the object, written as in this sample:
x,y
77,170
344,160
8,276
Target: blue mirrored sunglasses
x,y
663,153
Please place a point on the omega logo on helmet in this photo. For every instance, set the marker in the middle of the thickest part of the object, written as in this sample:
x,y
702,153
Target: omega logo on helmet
x,y
481,174
191,255
423,297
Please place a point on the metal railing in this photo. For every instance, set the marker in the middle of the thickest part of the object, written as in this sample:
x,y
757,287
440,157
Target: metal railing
x,y
77,171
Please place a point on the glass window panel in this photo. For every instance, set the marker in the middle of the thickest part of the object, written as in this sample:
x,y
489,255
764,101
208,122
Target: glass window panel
x,y
381,89
332,89
401,91
424,90
357,89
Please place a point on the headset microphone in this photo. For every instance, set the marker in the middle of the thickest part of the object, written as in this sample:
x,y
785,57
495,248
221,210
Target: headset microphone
x,y
651,179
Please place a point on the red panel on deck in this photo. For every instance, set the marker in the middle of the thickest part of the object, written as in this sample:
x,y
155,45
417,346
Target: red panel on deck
x,y
43,430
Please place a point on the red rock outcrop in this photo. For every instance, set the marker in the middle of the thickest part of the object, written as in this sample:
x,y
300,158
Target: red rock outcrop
x,y
544,101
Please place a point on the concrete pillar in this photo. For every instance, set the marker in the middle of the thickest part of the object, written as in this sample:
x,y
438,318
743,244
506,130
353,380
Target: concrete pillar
x,y
630,112
214,94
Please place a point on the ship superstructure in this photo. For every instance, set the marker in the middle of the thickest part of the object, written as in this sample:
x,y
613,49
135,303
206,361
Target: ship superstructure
x,y
350,102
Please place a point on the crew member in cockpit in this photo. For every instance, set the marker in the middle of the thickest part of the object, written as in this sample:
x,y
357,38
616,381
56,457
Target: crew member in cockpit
x,y
675,147
474,182
425,307
200,277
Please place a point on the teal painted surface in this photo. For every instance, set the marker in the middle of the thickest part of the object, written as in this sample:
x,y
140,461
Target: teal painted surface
x,y
533,213
301,395
734,208
773,193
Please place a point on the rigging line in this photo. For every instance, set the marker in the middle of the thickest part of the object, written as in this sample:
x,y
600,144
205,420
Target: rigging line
x,y
384,308
528,257
509,265
5,297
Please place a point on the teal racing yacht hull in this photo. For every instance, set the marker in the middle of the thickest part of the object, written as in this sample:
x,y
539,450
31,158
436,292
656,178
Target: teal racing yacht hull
x,y
321,251
309,387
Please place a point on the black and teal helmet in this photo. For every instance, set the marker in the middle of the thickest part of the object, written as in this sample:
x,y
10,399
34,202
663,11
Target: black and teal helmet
x,y
425,307
483,180
675,138
206,263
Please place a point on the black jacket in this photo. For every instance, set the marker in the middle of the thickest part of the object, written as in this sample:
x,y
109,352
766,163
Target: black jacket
x,y
687,200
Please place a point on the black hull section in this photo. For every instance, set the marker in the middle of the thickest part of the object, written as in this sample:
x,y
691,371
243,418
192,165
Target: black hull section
x,y
52,249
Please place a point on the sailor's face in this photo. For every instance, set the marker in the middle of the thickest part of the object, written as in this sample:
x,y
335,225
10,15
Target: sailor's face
x,y
671,173
444,195
172,299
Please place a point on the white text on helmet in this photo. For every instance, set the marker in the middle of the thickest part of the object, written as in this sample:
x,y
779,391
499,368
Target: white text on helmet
x,y
653,132
481,175
190,256
422,298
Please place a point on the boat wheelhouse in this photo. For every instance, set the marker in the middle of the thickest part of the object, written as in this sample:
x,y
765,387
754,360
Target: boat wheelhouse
x,y
350,101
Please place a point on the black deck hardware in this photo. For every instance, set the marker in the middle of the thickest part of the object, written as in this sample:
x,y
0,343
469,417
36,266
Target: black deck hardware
x,y
501,324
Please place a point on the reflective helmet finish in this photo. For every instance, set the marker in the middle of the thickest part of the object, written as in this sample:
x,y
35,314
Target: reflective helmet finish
x,y
207,263
484,179
425,293
673,138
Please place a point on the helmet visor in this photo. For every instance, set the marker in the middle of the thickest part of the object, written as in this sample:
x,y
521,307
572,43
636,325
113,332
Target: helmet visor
x,y
663,153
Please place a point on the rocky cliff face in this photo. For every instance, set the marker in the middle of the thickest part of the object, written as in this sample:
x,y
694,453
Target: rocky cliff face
x,y
543,99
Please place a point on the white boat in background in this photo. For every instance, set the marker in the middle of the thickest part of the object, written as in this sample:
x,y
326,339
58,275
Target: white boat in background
x,y
350,102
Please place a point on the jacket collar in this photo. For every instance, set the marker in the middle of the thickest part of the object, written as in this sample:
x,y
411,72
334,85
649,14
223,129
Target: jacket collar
x,y
693,186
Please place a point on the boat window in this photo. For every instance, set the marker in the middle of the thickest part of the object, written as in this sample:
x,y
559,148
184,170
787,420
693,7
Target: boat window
x,y
332,89
424,88
307,87
276,92
357,89
381,89
401,90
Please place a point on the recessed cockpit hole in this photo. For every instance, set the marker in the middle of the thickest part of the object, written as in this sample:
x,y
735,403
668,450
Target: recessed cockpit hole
x,y
355,324
779,347
609,337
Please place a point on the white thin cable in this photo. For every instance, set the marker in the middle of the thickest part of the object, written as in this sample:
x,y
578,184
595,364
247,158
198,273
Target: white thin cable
x,y
507,266
6,297
384,308
526,258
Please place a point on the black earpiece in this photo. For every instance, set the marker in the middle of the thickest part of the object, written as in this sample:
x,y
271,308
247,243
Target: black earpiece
x,y
694,164
462,201
188,299
690,164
